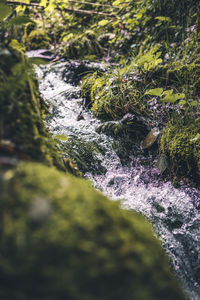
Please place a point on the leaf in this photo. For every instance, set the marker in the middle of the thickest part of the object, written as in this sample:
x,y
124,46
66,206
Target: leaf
x,y
155,92
194,103
173,98
146,66
43,3
51,6
182,102
117,2
168,92
163,18
61,137
196,138
5,11
14,44
139,16
20,20
68,37
103,22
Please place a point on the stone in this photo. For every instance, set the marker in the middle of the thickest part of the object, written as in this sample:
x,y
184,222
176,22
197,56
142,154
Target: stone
x,y
151,138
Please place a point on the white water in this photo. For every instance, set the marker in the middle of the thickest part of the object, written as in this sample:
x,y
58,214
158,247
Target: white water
x,y
174,212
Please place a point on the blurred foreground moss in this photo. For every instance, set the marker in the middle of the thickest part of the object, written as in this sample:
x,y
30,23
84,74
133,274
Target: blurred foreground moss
x,y
22,111
62,239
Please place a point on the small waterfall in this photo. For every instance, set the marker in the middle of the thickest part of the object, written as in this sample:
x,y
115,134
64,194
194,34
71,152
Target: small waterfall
x,y
174,213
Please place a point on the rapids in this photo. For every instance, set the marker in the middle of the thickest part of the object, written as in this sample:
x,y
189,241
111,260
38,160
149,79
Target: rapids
x,y
135,180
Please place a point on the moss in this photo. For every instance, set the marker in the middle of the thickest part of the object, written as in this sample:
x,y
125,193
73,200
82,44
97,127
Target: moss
x,y
21,112
84,154
180,141
114,94
82,45
29,27
62,239
38,39
86,86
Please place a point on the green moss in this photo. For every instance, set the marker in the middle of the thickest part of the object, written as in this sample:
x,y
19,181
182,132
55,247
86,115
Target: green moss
x,y
112,96
86,86
84,154
21,112
82,45
38,39
180,141
62,239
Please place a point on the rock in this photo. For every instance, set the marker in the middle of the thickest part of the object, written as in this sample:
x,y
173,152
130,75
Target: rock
x,y
129,124
127,118
80,116
162,163
150,138
62,239
38,39
110,128
41,53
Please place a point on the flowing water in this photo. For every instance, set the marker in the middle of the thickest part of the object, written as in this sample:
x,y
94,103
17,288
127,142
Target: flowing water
x,y
174,212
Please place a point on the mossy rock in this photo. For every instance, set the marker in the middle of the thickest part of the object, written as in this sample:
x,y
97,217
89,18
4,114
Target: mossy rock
x,y
38,39
62,239
21,112
112,97
180,141
84,154
82,45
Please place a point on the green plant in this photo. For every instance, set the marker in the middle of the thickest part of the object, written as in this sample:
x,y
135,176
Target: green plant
x,y
37,39
79,46
166,96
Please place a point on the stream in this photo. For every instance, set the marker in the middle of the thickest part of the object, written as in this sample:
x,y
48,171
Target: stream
x,y
130,175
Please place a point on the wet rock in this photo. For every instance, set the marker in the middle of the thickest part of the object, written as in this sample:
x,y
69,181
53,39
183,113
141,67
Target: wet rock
x,y
159,208
162,163
110,128
129,124
76,70
151,138
41,53
80,116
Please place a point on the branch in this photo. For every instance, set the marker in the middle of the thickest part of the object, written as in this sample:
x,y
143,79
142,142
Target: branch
x,y
93,4
76,11
32,4
88,12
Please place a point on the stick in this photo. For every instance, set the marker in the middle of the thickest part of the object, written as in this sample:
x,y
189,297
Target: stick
x,y
88,12
12,2
93,4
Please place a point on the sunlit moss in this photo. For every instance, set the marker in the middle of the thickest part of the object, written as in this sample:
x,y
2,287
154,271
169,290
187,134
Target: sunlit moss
x,y
114,94
62,239
38,39
81,45
181,142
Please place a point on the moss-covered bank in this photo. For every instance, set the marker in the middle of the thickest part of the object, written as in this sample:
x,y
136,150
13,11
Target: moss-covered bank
x,y
61,239
23,133
180,141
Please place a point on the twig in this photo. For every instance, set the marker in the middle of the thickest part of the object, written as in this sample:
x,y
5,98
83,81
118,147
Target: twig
x,y
32,4
88,12
73,10
92,4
